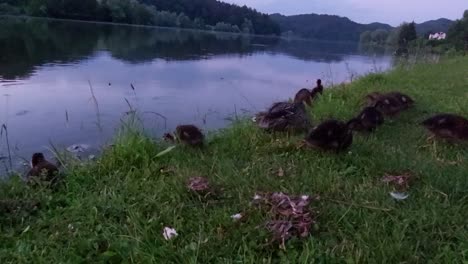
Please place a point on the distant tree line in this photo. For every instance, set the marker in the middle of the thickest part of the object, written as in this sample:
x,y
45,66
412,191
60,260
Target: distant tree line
x,y
197,14
405,36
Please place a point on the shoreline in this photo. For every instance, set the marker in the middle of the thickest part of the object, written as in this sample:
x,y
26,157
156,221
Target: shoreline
x,y
116,208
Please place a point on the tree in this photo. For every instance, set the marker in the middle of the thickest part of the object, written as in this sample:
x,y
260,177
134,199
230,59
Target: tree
x,y
365,38
379,36
407,33
247,26
458,33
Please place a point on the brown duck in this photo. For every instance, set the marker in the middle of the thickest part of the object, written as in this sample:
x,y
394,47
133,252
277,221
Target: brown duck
x,y
306,96
187,134
448,126
42,168
391,103
368,120
284,117
330,135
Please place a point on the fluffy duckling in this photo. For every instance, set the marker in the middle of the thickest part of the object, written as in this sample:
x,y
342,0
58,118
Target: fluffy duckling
x,y
307,96
404,99
368,120
187,134
304,96
448,126
284,117
318,89
390,103
42,168
330,135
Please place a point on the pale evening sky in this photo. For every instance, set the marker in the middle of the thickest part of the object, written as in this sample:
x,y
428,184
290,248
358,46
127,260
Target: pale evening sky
x,y
365,11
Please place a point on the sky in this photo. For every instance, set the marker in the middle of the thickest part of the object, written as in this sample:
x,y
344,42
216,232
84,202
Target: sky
x,y
365,11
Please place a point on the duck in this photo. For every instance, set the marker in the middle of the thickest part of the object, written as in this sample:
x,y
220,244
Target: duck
x,y
42,168
391,103
284,117
187,134
330,135
367,120
447,126
318,89
405,100
306,96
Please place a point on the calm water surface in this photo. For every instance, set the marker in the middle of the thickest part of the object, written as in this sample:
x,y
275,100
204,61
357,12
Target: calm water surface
x,y
46,68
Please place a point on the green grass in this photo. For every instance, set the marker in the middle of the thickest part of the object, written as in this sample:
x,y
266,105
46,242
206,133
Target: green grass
x,y
113,210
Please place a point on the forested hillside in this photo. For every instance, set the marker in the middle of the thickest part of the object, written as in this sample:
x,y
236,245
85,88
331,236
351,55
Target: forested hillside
x,y
324,27
199,14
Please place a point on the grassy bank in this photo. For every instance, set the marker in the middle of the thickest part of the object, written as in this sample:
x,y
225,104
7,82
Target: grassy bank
x,y
114,209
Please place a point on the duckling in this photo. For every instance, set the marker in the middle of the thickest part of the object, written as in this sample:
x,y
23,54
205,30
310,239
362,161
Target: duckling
x,y
447,126
368,120
187,134
307,96
304,96
318,89
42,168
393,102
330,135
388,105
405,100
284,116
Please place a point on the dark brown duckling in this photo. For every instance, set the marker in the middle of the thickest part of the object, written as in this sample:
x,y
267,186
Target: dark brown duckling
x,y
368,120
318,89
388,105
392,103
187,134
405,100
307,96
448,126
42,168
284,117
330,135
304,96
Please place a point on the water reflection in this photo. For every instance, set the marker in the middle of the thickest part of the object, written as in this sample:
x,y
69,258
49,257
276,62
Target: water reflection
x,y
27,43
46,68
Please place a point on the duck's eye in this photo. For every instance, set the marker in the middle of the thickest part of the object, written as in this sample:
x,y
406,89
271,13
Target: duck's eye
x,y
387,101
403,99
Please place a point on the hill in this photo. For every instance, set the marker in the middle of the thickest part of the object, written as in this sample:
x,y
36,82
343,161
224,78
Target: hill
x,y
330,27
324,27
439,25
214,11
198,14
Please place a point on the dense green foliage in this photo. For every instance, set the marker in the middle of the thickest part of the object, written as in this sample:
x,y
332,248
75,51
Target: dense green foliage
x,y
113,210
458,33
324,27
200,14
407,33
376,37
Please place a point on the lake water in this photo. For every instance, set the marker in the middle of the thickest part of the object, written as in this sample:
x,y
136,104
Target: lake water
x,y
47,69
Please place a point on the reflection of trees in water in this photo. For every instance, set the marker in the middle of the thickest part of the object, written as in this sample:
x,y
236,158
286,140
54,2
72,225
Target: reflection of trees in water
x,y
28,43
140,45
322,51
25,43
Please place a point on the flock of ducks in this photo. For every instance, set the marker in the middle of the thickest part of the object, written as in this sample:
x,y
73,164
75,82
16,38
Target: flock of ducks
x,y
330,135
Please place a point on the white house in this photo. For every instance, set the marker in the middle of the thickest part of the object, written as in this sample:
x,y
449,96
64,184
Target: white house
x,y
438,36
